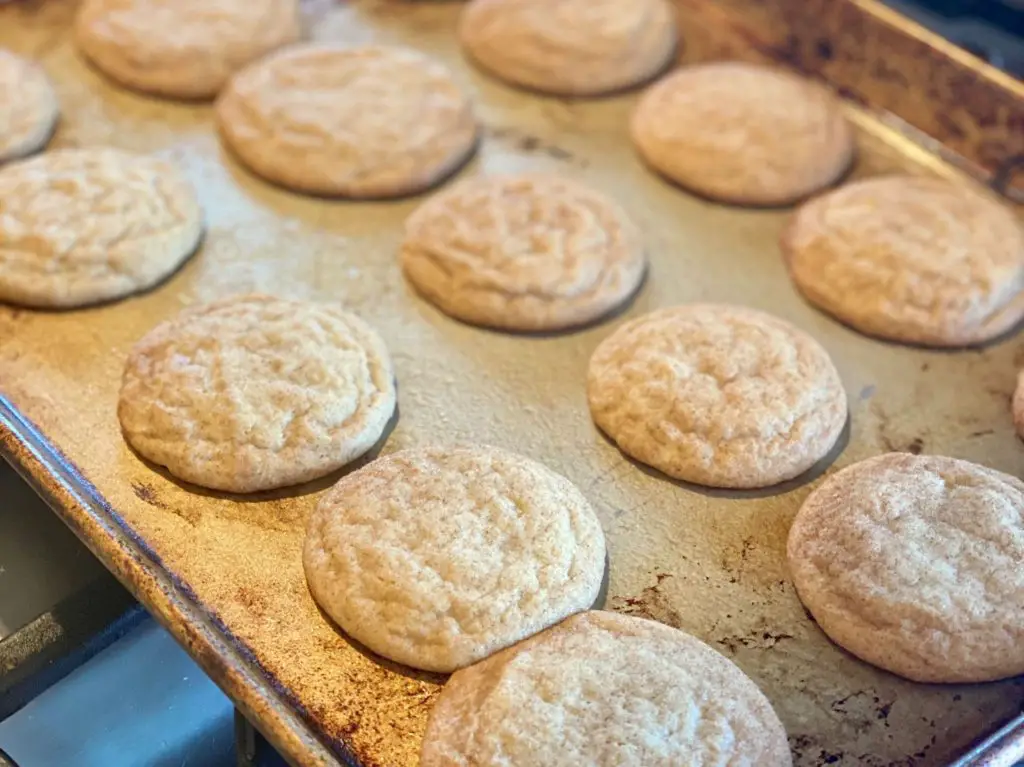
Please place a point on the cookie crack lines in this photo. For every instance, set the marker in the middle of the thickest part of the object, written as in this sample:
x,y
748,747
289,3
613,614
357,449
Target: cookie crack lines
x,y
742,133
80,226
529,252
579,678
754,432
917,260
212,39
570,47
360,100
438,557
878,557
218,416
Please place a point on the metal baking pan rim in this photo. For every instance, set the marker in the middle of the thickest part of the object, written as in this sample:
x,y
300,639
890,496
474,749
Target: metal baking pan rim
x,y
73,498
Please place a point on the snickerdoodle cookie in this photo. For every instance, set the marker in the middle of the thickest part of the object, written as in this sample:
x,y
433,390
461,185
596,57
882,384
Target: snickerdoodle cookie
x,y
362,122
913,563
28,107
80,226
917,260
253,392
606,690
182,48
717,395
743,133
529,252
570,47
438,557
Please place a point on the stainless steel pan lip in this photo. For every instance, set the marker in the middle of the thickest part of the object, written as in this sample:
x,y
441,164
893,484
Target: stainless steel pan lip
x,y
83,509
1003,748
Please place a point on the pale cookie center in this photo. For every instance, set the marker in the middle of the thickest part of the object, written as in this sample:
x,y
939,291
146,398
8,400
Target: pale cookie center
x,y
952,547
588,29
375,107
593,692
916,256
196,23
462,567
522,245
760,388
455,549
272,389
53,221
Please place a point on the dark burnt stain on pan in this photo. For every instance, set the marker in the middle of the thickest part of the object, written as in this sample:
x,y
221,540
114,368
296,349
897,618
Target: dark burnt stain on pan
x,y
147,494
756,639
531,144
863,708
188,513
893,443
651,603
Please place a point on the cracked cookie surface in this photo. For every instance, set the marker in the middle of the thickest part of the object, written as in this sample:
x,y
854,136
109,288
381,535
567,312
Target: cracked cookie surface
x,y
363,122
529,252
182,48
717,395
913,564
28,107
254,392
570,47
604,689
743,133
917,260
80,226
438,557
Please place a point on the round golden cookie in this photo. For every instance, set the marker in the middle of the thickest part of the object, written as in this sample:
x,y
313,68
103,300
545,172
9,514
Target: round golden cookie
x,y
917,260
182,48
717,395
570,47
438,557
28,107
253,392
604,690
81,226
743,133
361,122
528,252
913,564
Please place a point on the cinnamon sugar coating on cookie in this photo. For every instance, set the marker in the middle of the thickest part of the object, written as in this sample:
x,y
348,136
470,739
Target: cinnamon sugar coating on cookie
x,y
912,259
570,47
608,690
182,48
254,392
362,122
913,563
438,557
527,252
81,226
743,133
717,395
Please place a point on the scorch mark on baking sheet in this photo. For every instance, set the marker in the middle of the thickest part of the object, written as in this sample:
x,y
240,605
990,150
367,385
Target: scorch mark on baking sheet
x,y
651,604
527,142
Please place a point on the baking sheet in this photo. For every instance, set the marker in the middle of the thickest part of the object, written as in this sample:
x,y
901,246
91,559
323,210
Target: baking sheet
x,y
709,562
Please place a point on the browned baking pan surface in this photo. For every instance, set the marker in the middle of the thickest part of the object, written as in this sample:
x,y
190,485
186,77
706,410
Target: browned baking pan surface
x,y
225,573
